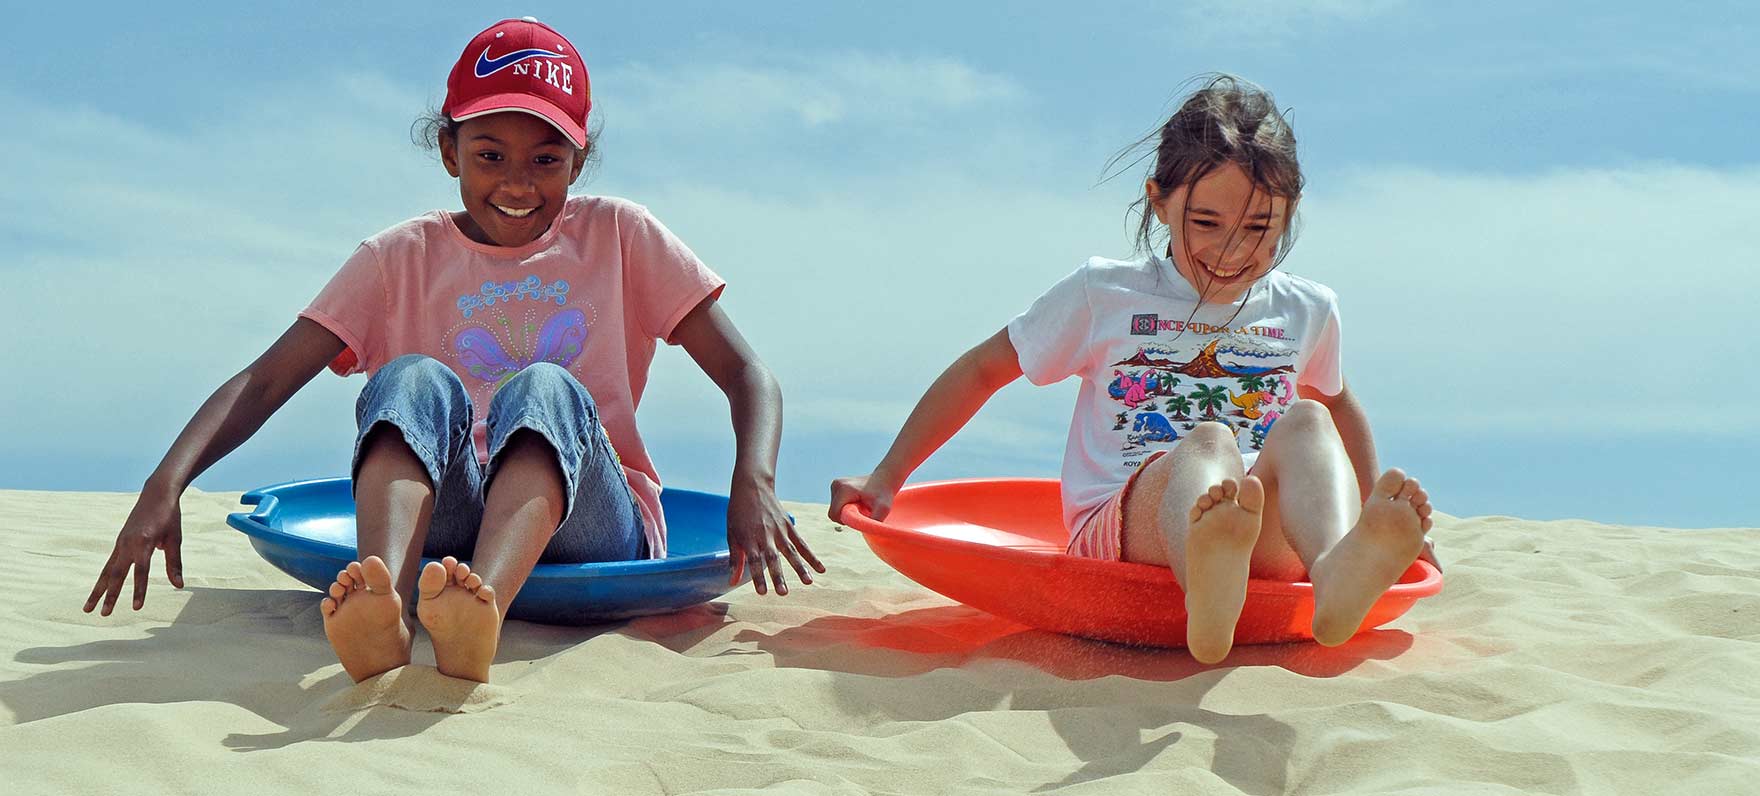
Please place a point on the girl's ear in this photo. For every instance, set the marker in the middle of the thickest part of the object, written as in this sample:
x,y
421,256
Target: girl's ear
x,y
448,152
580,163
1152,192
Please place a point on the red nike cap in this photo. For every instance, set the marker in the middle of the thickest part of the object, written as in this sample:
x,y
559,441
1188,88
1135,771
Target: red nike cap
x,y
522,65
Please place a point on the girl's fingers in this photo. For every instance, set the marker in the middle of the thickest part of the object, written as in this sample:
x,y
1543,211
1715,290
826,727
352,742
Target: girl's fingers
x,y
140,579
754,564
773,562
114,578
787,544
798,554
98,589
794,538
174,562
103,584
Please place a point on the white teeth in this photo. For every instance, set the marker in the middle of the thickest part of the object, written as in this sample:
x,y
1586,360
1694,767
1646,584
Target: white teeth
x,y
521,212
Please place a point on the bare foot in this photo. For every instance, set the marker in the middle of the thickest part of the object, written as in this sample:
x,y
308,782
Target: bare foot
x,y
1219,552
461,616
1350,577
363,618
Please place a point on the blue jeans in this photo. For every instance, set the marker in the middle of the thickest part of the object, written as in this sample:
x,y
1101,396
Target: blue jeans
x,y
425,401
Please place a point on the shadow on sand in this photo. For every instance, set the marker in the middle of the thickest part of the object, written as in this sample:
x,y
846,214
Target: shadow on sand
x,y
262,650
1116,707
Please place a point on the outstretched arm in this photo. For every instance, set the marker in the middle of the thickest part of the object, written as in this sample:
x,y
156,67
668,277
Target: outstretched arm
x,y
759,533
950,402
228,418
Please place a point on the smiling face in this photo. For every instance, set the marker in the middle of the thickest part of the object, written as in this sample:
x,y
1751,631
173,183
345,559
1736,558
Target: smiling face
x,y
513,173
1224,230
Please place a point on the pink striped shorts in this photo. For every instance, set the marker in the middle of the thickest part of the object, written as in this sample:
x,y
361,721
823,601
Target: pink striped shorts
x,y
1102,536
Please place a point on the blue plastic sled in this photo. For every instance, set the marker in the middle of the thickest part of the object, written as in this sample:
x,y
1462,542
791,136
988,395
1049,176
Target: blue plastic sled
x,y
306,529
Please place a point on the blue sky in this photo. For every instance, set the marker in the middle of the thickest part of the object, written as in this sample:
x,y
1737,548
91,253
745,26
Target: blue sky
x,y
1539,219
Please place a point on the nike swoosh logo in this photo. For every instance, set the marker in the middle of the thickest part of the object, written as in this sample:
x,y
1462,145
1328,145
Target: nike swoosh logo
x,y
487,66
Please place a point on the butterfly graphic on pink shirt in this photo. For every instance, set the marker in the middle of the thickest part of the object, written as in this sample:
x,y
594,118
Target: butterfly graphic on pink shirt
x,y
561,340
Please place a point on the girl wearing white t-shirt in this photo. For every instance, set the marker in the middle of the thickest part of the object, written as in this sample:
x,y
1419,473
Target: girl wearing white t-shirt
x,y
1214,432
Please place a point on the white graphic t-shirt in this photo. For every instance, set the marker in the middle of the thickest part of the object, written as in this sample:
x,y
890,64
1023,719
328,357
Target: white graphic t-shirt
x,y
1152,369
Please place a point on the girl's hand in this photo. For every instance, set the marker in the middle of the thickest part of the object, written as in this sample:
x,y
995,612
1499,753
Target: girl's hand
x,y
872,495
757,528
156,523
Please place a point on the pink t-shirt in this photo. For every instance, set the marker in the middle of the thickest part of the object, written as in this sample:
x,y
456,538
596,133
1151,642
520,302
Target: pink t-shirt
x,y
606,274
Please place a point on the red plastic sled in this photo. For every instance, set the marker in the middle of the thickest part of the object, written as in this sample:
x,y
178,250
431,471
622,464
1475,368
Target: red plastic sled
x,y
997,544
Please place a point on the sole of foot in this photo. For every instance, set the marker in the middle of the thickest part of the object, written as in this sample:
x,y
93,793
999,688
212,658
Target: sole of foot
x,y
1224,525
1350,577
461,616
363,618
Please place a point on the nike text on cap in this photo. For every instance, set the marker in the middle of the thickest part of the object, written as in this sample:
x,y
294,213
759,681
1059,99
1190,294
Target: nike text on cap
x,y
522,65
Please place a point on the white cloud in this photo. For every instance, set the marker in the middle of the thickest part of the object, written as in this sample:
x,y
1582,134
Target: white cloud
x,y
1577,301
1584,301
1215,21
1610,300
802,90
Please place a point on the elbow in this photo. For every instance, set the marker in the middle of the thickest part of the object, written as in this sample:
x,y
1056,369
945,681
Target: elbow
x,y
752,378
992,365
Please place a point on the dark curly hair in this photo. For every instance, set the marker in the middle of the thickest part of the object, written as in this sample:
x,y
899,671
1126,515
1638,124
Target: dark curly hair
x,y
1225,120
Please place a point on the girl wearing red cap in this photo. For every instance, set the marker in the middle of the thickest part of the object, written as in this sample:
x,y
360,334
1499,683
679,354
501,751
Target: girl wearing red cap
x,y
507,346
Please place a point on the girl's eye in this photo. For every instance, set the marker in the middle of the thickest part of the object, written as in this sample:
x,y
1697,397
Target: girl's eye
x,y
492,157
545,160
1198,222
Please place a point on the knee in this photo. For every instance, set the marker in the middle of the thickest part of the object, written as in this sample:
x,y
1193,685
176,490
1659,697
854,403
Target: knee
x,y
416,383
1210,435
1305,414
412,372
546,384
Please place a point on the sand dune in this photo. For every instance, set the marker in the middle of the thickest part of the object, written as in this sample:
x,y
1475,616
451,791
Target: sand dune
x,y
1561,657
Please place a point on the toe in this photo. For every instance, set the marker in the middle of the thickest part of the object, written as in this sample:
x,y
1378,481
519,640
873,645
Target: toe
x,y
432,580
337,592
1252,494
473,582
327,607
1410,490
461,573
378,576
486,593
1389,484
